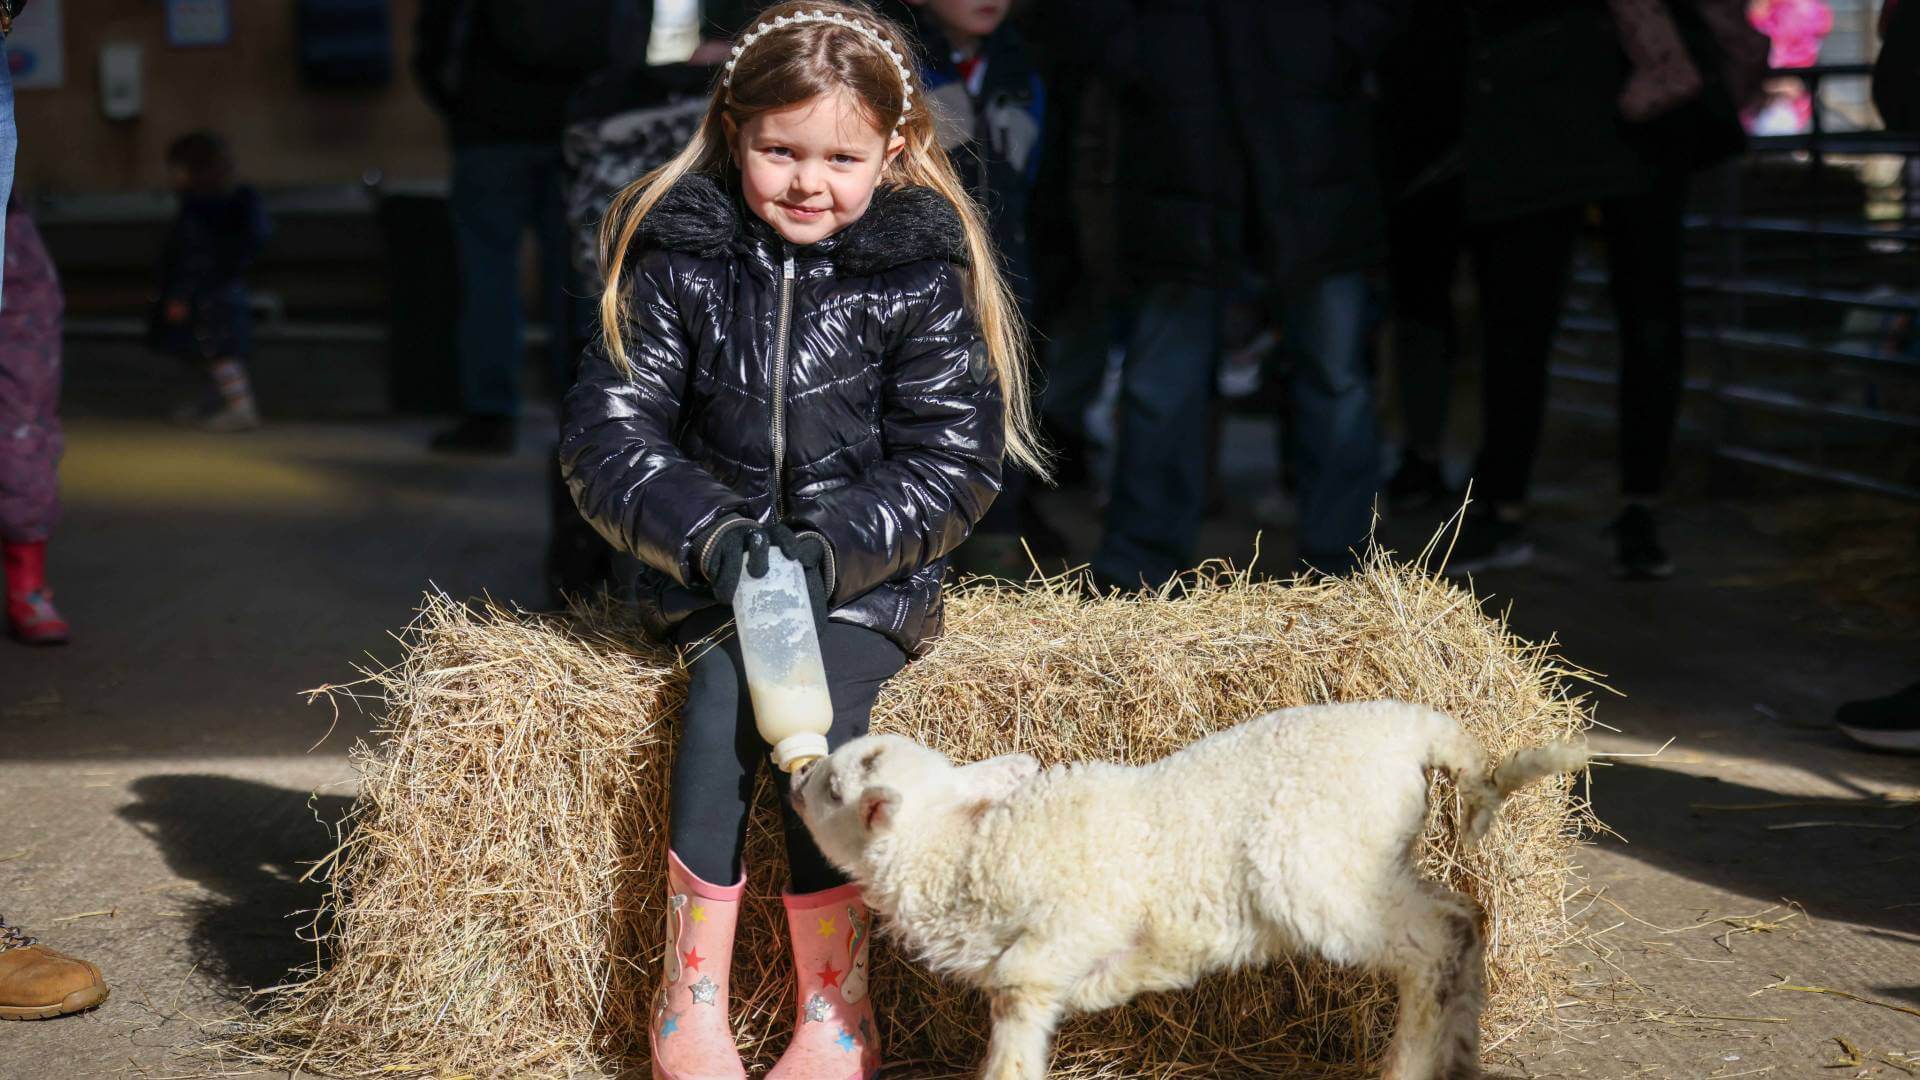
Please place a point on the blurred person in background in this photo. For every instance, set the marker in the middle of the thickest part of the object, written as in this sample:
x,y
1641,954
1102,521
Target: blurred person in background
x,y
626,120
1607,103
1796,28
1896,72
500,72
990,105
9,135
1246,135
204,316
1892,722
1422,84
30,441
36,983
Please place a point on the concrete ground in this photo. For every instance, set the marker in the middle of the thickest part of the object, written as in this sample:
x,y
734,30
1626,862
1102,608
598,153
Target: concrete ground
x,y
160,779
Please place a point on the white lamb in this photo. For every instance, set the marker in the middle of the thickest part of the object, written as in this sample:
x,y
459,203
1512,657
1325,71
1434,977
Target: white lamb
x,y
1074,889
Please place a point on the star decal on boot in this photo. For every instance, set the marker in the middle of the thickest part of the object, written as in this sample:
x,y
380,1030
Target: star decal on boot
x,y
829,978
846,1042
699,914
817,1010
693,958
705,991
827,928
670,1025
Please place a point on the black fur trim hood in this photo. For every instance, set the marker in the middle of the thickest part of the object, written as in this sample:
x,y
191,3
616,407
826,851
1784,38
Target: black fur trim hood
x,y
902,225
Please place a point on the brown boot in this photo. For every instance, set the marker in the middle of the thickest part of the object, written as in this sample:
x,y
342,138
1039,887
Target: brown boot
x,y
37,983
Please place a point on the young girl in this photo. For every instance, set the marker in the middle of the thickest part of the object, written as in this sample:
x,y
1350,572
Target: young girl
x,y
806,343
203,315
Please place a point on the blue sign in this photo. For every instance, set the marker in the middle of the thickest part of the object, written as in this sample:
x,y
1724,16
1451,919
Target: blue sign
x,y
199,23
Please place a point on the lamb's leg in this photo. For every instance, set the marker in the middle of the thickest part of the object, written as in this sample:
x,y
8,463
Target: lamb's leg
x,y
1023,1021
1439,962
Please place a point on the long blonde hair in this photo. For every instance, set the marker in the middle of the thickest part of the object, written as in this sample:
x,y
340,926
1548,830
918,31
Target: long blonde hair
x,y
792,64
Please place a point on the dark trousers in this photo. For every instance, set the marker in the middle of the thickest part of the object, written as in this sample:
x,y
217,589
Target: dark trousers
x,y
500,190
720,754
1523,266
1425,238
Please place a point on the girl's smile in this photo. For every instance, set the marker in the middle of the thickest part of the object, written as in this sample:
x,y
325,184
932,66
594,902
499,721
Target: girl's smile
x,y
802,213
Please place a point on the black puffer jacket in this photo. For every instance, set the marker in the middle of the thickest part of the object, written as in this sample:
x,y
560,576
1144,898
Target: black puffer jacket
x,y
862,376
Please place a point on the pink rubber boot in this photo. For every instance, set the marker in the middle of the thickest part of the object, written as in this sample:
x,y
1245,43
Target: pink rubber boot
x,y
833,1031
689,1034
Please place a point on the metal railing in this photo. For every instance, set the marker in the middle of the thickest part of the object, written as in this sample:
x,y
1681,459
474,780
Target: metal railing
x,y
1772,291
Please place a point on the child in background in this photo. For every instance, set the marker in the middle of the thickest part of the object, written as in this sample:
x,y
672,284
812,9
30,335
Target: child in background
x,y
30,441
988,104
806,342
203,315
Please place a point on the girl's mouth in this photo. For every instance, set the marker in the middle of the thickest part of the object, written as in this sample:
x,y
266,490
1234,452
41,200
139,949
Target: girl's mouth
x,y
801,213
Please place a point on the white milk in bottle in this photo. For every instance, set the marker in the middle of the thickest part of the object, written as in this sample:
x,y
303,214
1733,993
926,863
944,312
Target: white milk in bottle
x,y
781,651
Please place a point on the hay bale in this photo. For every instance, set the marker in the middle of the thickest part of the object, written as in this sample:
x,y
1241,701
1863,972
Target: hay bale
x,y
495,909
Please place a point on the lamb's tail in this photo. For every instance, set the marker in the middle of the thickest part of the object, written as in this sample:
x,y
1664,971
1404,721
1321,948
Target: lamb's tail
x,y
1460,753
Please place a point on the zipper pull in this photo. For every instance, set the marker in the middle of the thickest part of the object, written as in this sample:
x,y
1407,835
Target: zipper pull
x,y
787,272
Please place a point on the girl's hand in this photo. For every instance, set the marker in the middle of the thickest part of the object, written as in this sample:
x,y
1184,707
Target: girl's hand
x,y
740,547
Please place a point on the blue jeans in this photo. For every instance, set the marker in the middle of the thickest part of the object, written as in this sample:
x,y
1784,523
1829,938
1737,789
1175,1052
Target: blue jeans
x,y
1160,474
499,191
1332,435
1159,487
9,141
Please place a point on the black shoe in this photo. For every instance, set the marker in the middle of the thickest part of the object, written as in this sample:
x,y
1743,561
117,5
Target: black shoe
x,y
1637,554
1887,723
1488,542
1418,483
477,435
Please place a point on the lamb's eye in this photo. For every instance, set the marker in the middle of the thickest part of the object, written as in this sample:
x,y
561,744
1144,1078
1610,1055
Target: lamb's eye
x,y
872,756
833,787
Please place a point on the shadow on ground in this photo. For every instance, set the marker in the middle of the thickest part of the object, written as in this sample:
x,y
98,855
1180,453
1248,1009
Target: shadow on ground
x,y
1854,861
247,844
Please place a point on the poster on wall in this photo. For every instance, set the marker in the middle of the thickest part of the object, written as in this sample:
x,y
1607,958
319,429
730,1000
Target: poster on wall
x,y
36,50
199,23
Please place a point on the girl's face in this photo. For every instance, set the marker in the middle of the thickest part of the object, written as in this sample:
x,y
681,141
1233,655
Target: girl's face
x,y
810,170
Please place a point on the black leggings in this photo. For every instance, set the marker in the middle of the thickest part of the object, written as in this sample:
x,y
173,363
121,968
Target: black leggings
x,y
1523,266
720,754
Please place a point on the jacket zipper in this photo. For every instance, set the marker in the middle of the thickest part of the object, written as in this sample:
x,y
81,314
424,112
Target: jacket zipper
x,y
781,343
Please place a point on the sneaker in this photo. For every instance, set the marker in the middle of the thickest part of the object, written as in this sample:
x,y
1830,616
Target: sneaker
x,y
1637,554
33,620
1418,483
477,435
37,983
1886,723
231,418
1488,541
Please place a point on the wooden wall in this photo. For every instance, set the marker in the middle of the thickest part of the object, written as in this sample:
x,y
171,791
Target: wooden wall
x,y
283,133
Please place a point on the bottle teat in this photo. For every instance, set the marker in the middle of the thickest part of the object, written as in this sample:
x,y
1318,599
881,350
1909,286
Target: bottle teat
x,y
795,752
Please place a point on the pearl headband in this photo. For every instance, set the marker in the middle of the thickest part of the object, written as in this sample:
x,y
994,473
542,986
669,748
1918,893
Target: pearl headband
x,y
856,25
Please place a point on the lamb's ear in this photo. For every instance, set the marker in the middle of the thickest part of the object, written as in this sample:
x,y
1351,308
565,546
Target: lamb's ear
x,y
878,805
996,778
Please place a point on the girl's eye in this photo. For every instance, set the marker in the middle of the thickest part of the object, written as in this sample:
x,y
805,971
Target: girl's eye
x,y
779,151
844,159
